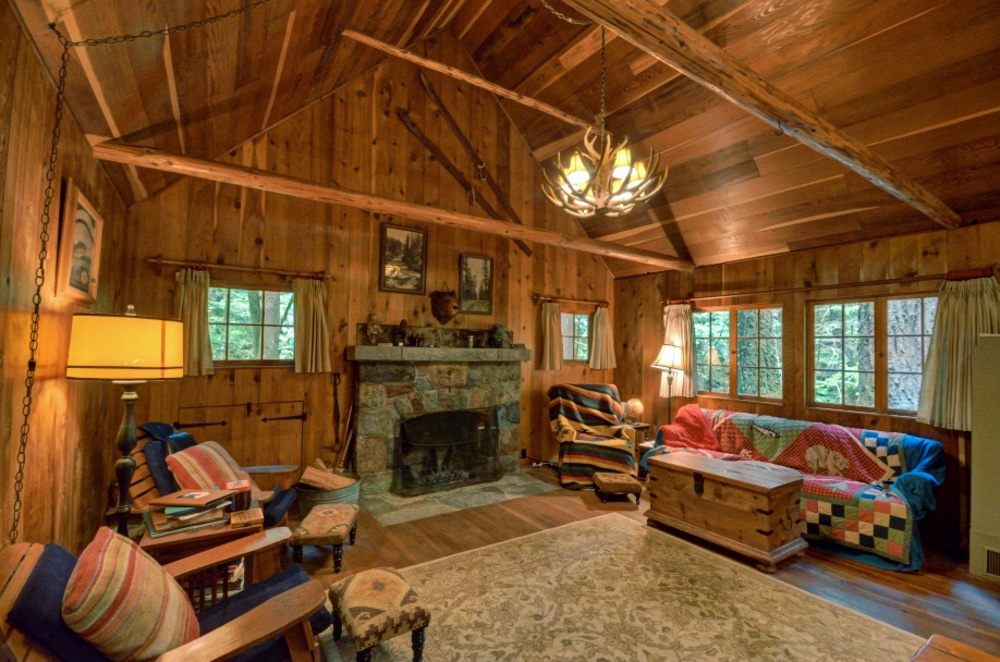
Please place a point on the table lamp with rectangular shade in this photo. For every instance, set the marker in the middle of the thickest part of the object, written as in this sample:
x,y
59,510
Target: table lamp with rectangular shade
x,y
126,350
670,359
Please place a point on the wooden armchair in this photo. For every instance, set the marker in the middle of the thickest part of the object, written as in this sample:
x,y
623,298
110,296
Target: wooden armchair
x,y
280,610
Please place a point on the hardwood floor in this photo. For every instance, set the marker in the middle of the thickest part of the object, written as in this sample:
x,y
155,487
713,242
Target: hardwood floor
x,y
942,598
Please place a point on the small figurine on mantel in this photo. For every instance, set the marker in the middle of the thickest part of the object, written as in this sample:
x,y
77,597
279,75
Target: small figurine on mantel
x,y
498,336
373,330
399,335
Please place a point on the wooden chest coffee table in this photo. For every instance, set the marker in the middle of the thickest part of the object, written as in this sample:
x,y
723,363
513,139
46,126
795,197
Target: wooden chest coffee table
x,y
749,507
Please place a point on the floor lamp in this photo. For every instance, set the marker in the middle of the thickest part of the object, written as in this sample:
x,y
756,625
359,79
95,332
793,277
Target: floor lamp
x,y
671,360
126,350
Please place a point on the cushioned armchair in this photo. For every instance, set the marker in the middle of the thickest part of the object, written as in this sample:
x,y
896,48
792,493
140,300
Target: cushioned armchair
x,y
115,602
154,476
587,420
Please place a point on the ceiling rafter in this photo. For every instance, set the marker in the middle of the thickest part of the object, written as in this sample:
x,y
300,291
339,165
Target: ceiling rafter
x,y
663,35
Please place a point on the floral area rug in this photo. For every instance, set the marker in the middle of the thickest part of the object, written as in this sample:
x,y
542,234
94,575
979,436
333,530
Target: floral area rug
x,y
389,509
610,588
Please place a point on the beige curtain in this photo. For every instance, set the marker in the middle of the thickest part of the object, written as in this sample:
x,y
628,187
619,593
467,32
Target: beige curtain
x,y
552,353
965,310
602,344
678,328
312,330
191,308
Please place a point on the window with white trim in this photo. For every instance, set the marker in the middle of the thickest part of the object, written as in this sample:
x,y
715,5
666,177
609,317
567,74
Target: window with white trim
x,y
576,337
738,352
251,326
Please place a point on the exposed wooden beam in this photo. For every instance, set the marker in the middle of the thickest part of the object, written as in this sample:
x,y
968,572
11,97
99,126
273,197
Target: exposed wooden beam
x,y
468,78
673,42
145,157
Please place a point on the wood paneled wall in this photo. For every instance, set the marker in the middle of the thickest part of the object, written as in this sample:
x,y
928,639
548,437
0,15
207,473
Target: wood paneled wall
x,y
71,449
639,328
353,138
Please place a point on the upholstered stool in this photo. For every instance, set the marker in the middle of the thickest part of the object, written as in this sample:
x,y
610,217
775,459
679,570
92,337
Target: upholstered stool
x,y
376,605
326,524
611,483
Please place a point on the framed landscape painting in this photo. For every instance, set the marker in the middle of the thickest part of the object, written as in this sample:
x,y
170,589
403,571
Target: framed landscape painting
x,y
475,278
402,260
79,248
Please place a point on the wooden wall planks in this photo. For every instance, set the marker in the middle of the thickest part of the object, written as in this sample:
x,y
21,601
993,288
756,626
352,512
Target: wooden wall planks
x,y
71,449
354,139
639,327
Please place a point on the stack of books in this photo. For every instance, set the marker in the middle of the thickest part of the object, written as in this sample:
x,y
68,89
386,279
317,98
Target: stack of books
x,y
186,510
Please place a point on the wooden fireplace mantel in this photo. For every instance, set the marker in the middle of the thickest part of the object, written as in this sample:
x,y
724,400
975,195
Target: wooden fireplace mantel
x,y
391,354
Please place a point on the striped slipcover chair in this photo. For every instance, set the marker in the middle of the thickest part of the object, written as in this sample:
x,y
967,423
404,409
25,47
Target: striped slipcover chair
x,y
587,421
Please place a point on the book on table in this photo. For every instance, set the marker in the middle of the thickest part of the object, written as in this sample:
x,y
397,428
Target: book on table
x,y
192,498
158,523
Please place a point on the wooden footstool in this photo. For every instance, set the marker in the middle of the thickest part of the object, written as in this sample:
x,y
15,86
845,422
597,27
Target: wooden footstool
x,y
611,483
326,524
376,605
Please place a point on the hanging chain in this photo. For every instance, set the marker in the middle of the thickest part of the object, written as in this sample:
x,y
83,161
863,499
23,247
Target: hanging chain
x,y
46,218
574,21
604,82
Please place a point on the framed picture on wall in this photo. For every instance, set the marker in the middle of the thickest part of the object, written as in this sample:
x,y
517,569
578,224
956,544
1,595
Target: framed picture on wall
x,y
79,255
402,259
475,278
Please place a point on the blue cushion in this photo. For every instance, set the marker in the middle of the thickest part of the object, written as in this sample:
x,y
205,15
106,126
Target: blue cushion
x,y
155,451
275,509
253,596
157,430
37,612
179,441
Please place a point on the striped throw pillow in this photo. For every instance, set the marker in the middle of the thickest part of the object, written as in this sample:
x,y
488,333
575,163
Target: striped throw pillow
x,y
121,601
204,466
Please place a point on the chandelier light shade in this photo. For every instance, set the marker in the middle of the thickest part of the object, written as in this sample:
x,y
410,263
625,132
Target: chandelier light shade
x,y
603,179
126,350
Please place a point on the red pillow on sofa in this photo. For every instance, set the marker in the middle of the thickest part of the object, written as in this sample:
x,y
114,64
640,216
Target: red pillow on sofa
x,y
690,428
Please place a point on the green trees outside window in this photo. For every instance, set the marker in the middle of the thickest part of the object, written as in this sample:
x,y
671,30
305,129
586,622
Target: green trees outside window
x,y
870,354
249,325
738,352
576,337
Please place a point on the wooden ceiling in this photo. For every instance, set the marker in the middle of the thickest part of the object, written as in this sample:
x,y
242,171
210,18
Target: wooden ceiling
x,y
916,81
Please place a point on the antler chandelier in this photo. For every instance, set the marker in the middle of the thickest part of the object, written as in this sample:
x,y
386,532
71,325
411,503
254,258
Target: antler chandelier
x,y
602,179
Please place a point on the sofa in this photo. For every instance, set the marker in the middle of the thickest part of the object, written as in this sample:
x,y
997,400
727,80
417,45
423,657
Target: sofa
x,y
863,490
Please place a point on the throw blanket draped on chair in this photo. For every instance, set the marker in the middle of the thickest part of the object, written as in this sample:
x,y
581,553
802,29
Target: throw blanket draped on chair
x,y
587,421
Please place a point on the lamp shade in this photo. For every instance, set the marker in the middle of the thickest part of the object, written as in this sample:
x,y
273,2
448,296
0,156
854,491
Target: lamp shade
x,y
125,348
670,358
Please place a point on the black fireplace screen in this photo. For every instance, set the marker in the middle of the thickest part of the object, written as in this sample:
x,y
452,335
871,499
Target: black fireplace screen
x,y
447,449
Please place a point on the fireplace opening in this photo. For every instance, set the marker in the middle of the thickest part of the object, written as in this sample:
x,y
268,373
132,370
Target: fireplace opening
x,y
445,450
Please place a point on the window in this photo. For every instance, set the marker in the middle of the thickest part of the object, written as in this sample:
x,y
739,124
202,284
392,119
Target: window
x,y
753,336
870,354
576,337
251,325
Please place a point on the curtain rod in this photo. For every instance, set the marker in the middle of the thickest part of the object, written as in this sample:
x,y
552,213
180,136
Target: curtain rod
x,y
951,275
536,297
208,266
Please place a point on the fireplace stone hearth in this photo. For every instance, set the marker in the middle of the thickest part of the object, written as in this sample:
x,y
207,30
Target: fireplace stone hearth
x,y
394,384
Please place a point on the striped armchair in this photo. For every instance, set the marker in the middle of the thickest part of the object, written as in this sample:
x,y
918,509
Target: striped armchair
x,y
587,420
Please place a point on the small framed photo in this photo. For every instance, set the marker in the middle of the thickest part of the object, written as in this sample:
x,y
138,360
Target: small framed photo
x,y
402,260
475,278
79,248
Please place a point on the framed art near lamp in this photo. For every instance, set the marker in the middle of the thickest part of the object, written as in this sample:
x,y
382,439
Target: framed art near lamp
x,y
475,280
402,260
79,255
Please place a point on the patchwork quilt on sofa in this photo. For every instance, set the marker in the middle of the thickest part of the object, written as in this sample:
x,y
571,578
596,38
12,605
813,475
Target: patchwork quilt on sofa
x,y
863,489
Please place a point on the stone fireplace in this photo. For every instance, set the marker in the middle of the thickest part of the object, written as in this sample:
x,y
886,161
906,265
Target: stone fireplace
x,y
397,384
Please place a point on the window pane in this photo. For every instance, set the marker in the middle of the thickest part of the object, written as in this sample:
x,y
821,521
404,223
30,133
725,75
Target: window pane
x,y
581,349
905,354
720,352
720,324
245,306
746,353
770,383
567,325
272,343
583,326
770,323
720,380
244,343
746,324
273,311
903,316
286,344
930,313
829,354
567,348
770,353
217,304
828,387
859,389
701,352
829,320
747,381
217,335
904,391
859,353
859,319
704,380
702,324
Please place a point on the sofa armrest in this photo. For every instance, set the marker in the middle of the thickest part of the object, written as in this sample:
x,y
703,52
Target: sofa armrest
x,y
247,546
286,613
